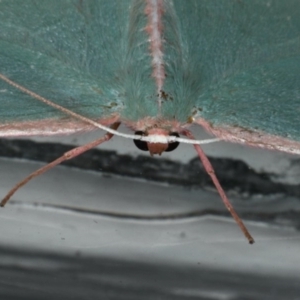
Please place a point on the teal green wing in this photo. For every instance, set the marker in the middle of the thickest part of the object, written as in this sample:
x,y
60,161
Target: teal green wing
x,y
242,64
232,63
70,52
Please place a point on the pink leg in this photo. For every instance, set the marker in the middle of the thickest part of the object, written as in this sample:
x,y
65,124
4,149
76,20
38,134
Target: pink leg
x,y
66,156
209,169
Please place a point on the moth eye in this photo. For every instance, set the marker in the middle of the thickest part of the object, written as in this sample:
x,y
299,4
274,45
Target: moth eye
x,y
174,145
142,145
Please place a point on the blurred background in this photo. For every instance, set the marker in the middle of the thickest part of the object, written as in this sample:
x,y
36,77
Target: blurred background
x,y
116,223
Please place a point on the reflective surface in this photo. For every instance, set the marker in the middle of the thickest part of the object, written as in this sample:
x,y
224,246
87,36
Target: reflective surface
x,y
79,234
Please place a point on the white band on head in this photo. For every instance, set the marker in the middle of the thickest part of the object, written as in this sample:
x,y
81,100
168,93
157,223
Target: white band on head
x,y
163,139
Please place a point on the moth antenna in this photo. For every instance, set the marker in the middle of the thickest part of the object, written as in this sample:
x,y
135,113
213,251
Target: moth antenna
x,y
66,156
151,139
211,172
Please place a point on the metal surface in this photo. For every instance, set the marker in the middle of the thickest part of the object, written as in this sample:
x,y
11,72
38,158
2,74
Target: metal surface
x,y
78,234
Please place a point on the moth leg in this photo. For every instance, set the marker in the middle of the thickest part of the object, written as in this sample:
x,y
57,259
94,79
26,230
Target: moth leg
x,y
66,156
210,170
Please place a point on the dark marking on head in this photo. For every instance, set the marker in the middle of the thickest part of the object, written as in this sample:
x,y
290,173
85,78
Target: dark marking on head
x,y
142,145
155,148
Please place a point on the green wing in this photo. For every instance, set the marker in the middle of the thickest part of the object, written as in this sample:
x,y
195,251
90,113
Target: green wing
x,y
70,52
243,63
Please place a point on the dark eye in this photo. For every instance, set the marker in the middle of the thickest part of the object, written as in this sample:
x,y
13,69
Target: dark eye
x,y
141,144
173,146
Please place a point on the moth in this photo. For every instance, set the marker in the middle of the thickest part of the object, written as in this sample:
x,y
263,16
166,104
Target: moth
x,y
157,66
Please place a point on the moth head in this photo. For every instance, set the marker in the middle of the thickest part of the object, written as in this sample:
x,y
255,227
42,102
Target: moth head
x,y
156,148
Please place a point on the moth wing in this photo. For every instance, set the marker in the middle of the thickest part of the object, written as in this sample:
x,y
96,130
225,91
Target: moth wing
x,y
69,52
245,58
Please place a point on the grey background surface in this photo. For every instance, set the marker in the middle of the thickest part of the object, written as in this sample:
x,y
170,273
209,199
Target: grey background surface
x,y
78,234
